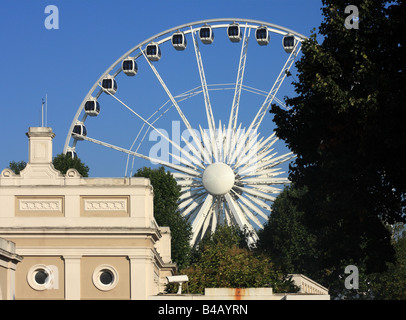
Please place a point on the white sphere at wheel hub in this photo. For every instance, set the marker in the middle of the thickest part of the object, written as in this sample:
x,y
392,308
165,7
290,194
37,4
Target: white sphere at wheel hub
x,y
218,179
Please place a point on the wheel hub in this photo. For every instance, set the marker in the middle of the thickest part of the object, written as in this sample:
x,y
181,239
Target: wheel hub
x,y
218,178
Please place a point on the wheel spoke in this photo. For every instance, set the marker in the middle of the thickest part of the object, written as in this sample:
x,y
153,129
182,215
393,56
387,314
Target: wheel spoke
x,y
197,201
232,123
181,114
186,154
139,155
249,214
181,97
209,111
201,216
275,88
239,216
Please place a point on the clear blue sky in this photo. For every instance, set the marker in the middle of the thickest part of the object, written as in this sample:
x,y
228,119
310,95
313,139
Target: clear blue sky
x,y
92,34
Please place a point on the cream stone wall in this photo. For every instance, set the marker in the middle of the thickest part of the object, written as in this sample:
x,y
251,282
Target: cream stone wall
x,y
75,229
239,294
89,287
307,285
8,264
23,288
3,281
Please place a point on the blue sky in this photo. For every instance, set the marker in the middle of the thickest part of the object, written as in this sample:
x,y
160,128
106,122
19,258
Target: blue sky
x,y
64,64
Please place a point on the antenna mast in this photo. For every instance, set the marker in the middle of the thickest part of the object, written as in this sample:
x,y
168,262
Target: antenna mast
x,y
46,110
44,115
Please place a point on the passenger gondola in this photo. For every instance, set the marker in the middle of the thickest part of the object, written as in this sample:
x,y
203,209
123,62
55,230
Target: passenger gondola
x,y
92,107
129,67
234,32
71,153
153,52
206,34
262,35
109,85
79,131
289,43
179,41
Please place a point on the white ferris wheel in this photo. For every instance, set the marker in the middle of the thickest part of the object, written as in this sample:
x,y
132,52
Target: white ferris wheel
x,y
229,173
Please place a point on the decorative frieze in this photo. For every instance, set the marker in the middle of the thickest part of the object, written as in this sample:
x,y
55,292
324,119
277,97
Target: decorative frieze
x,y
32,206
92,206
105,205
35,205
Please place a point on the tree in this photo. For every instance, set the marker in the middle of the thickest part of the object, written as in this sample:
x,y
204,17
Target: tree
x,y
346,126
285,237
388,285
166,195
17,167
391,285
60,162
64,162
220,262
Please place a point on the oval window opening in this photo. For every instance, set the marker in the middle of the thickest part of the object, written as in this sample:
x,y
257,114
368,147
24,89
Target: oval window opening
x,y
106,277
41,277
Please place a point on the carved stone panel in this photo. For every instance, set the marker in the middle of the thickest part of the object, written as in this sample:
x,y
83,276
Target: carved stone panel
x,y
105,206
39,206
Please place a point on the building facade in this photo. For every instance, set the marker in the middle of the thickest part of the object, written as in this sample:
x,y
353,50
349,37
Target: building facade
x,y
79,238
8,265
66,237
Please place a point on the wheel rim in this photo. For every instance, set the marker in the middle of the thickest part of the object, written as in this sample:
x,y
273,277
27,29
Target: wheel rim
x,y
248,155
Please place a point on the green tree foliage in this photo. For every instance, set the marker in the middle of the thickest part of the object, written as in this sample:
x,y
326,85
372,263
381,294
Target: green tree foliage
x,y
166,195
286,239
388,285
63,163
17,167
347,126
221,263
391,285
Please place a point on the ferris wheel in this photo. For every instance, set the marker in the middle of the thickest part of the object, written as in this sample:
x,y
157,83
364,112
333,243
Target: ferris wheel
x,y
229,173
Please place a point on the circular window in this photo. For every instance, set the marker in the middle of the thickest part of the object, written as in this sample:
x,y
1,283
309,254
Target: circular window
x,y
39,277
105,277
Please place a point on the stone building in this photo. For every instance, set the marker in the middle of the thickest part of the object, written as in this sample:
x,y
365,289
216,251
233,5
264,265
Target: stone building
x,y
66,237
78,238
8,264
